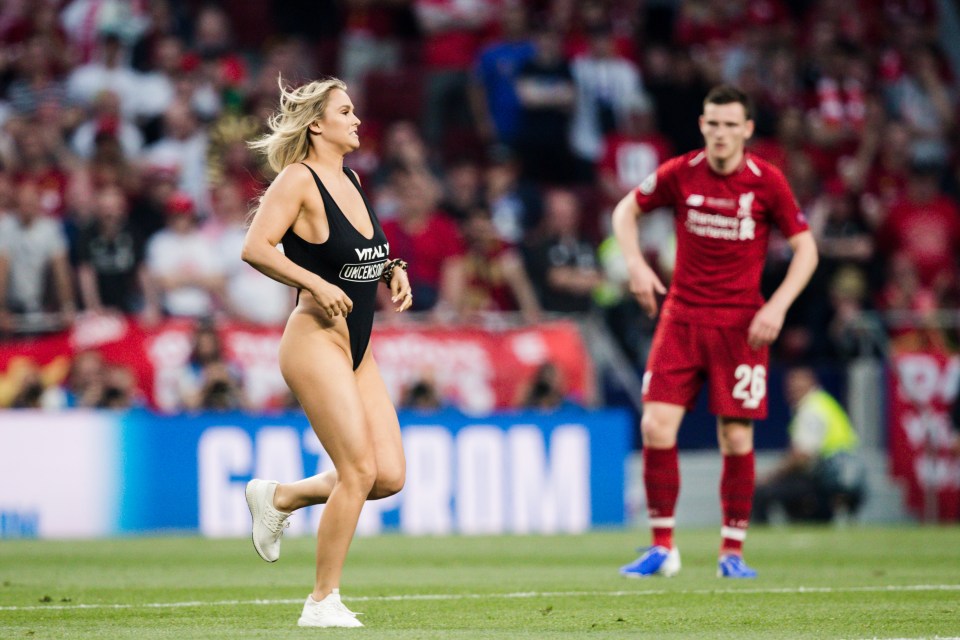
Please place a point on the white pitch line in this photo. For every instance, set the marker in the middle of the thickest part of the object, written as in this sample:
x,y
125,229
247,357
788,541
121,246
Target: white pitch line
x,y
491,596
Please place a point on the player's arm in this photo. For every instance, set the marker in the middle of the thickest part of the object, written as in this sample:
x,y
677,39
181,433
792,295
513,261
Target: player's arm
x,y
768,321
278,210
644,283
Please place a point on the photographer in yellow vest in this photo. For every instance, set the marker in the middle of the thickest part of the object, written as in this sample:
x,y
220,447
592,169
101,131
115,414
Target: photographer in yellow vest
x,y
821,475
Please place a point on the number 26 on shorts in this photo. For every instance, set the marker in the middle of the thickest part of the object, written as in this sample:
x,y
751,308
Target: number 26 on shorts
x,y
751,385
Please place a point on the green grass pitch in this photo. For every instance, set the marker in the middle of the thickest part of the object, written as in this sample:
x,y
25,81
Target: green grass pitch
x,y
814,583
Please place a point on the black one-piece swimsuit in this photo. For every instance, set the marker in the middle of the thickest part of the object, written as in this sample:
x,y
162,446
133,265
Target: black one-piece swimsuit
x,y
347,259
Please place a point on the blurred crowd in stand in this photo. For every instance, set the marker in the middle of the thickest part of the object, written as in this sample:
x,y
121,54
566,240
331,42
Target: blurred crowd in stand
x,y
496,137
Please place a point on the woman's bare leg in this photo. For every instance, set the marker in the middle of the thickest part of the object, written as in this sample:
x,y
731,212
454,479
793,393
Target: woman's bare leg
x,y
321,376
305,493
384,429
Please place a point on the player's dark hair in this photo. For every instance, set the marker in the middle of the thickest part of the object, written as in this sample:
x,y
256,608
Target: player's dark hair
x,y
728,94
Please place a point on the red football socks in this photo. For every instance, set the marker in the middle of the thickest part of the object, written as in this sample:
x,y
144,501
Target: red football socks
x,y
736,499
661,478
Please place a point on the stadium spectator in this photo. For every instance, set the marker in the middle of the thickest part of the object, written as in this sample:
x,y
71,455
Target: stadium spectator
x,y
676,89
39,158
39,22
580,20
781,82
463,188
110,255
369,42
120,390
715,324
226,229
148,209
821,476
452,35
516,206
546,92
164,21
8,194
33,252
846,244
489,276
925,227
84,384
86,22
545,390
837,101
183,150
107,120
496,106
207,380
35,82
157,90
108,71
847,330
183,265
403,148
421,232
631,152
30,388
922,100
606,86
562,265
221,71
880,166
791,140
422,395
910,308
220,390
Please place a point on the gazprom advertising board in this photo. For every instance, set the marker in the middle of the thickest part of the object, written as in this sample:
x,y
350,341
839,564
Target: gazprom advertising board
x,y
91,474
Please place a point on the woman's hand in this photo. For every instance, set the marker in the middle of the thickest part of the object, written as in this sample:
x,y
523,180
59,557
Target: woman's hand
x,y
331,299
400,292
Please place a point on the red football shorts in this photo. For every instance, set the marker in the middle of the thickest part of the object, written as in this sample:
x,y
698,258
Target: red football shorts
x,y
684,356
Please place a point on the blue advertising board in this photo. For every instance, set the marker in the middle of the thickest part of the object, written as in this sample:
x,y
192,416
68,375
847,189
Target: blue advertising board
x,y
137,472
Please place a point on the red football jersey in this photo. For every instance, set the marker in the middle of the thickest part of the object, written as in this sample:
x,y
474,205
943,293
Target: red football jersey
x,y
723,224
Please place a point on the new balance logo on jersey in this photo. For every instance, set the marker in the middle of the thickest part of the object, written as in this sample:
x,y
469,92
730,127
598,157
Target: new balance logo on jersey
x,y
366,272
369,253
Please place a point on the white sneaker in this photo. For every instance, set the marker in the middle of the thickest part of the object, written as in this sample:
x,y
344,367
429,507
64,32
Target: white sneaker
x,y
329,612
268,522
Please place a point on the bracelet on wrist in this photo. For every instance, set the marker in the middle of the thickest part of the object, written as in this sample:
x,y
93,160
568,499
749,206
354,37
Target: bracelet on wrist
x,y
388,269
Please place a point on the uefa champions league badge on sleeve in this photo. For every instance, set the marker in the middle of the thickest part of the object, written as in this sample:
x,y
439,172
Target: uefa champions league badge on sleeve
x,y
649,184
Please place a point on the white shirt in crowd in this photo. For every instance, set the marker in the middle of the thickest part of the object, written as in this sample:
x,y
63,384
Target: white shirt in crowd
x,y
29,251
615,81
189,159
87,81
272,300
170,254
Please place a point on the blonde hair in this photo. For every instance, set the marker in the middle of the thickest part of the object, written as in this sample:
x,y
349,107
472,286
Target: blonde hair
x,y
289,137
